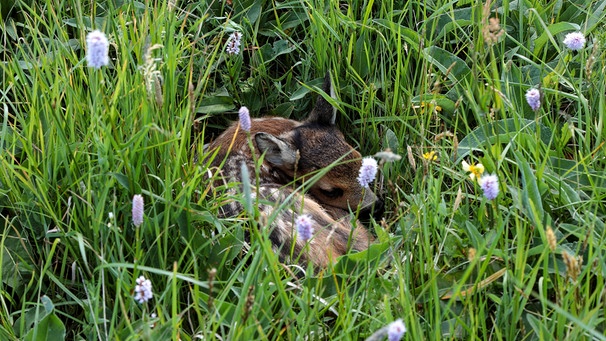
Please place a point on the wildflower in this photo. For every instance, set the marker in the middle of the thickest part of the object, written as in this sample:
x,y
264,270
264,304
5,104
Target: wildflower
x,y
233,43
429,106
137,210
305,228
574,41
97,48
490,186
368,171
396,330
431,156
475,170
244,119
143,290
533,97
388,156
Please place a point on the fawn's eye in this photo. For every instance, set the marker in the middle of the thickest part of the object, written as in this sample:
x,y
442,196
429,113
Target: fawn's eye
x,y
333,193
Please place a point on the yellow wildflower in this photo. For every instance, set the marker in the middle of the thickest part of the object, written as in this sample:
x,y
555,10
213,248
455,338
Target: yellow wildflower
x,y
475,170
431,156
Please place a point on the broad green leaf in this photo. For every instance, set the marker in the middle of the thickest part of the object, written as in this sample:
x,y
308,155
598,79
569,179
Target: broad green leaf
x,y
595,15
50,328
254,12
306,88
454,67
445,103
452,20
373,252
278,48
569,195
549,34
502,131
391,141
574,173
531,197
216,104
122,180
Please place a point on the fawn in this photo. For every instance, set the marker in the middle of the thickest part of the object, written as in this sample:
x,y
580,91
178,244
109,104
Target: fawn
x,y
290,154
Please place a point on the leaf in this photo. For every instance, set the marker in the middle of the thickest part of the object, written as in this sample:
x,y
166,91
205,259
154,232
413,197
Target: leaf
x,y
391,141
373,252
531,197
13,256
453,20
573,172
595,15
43,324
568,195
362,53
283,110
502,131
271,52
215,104
50,328
551,31
538,327
445,103
254,12
452,66
122,180
306,88
410,36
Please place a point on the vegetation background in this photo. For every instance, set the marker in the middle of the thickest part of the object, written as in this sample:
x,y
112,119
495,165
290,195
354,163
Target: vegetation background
x,y
435,81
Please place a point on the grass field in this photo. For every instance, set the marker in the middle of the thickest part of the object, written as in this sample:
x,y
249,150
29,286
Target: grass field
x,y
438,82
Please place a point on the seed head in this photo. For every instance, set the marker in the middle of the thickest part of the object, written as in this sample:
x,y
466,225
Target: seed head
x,y
551,238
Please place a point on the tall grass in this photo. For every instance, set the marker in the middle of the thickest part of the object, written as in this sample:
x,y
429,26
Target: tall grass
x,y
416,77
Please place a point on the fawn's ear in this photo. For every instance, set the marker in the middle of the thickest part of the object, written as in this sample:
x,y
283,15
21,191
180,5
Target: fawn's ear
x,y
324,113
277,151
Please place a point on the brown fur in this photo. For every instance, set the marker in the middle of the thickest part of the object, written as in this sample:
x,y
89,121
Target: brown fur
x,y
293,152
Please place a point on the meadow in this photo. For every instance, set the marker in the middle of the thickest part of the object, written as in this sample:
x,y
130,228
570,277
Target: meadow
x,y
441,83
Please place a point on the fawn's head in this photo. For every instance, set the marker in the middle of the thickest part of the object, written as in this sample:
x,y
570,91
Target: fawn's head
x,y
316,144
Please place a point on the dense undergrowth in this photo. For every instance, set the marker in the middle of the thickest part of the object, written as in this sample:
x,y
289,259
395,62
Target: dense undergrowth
x,y
436,82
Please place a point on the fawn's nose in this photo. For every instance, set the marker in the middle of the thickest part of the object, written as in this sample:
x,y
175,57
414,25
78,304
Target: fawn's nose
x,y
375,211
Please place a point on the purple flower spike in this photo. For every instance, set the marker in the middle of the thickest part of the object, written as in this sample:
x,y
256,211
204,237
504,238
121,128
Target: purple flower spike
x,y
533,97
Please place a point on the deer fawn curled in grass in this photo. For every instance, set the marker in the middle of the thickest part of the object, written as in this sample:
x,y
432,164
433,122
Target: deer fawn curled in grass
x,y
292,152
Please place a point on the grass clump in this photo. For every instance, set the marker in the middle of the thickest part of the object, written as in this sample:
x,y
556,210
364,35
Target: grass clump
x,y
438,83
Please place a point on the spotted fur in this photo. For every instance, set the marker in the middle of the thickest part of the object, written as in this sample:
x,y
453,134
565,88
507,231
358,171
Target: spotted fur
x,y
292,152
